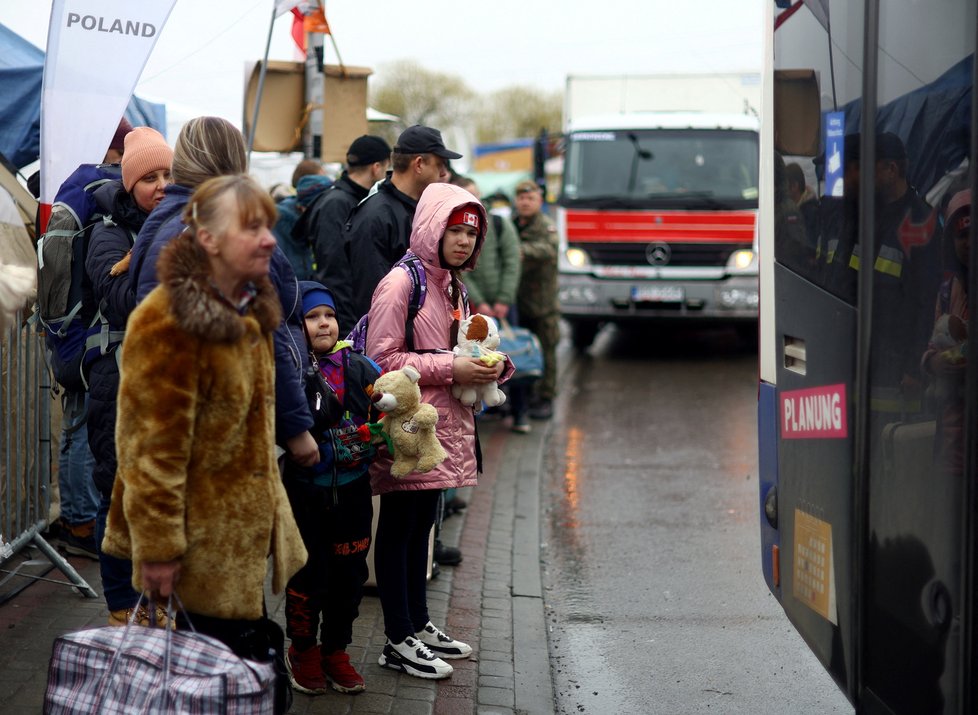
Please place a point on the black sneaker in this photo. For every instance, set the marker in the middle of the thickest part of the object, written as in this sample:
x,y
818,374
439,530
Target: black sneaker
x,y
54,533
455,505
80,540
413,657
441,644
542,410
447,555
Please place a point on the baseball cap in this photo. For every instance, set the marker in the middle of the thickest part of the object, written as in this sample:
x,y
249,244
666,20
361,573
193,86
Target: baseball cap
x,y
526,185
890,146
366,150
423,140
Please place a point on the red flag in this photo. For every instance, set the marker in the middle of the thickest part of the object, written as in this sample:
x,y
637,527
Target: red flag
x,y
298,29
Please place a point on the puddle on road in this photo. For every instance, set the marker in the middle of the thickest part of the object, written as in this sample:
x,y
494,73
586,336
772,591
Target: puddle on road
x,y
599,692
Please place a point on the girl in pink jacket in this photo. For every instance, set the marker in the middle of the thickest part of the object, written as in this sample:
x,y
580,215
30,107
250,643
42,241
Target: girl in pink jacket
x,y
449,228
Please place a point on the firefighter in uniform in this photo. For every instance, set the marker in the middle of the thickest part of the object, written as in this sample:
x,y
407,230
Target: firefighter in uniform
x,y
906,271
537,303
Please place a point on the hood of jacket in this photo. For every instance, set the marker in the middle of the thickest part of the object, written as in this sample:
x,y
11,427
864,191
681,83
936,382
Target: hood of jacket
x,y
198,307
436,204
175,197
114,201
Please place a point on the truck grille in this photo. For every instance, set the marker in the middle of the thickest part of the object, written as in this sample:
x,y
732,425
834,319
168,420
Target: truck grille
x,y
634,254
685,238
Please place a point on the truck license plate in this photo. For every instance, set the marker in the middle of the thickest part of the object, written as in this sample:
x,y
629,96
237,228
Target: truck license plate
x,y
658,294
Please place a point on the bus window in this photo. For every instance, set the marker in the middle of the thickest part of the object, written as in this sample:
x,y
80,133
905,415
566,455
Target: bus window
x,y
917,364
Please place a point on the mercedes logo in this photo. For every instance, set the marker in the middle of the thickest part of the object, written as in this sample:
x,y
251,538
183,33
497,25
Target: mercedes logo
x,y
658,254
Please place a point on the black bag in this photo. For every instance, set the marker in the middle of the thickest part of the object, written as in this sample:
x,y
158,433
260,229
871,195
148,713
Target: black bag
x,y
325,406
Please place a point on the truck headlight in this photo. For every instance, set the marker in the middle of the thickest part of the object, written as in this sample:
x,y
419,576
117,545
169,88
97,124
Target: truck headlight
x,y
577,258
742,260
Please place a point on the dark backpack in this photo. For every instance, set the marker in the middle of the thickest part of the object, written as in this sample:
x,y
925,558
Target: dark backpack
x,y
74,331
419,290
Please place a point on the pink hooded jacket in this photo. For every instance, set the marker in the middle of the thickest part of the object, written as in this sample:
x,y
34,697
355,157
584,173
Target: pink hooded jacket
x,y
432,330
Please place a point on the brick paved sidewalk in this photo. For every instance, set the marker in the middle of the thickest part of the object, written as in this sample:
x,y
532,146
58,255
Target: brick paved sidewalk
x,y
492,600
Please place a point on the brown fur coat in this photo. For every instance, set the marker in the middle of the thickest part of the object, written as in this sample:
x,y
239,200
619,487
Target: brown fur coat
x,y
197,478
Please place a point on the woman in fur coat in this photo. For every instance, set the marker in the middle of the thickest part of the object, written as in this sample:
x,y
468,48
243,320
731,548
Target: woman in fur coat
x,y
198,503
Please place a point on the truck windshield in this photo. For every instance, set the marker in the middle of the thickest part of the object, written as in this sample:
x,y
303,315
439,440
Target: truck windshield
x,y
651,165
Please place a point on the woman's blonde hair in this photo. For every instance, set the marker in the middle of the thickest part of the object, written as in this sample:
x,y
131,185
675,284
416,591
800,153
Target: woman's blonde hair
x,y
207,147
207,209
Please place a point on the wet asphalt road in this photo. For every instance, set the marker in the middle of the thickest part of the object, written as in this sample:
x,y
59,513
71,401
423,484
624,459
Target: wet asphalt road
x,y
654,593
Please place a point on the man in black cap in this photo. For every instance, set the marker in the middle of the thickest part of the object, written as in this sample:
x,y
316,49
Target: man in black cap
x,y
323,224
379,229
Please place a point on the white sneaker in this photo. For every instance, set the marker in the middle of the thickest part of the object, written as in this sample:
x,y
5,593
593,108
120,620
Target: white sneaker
x,y
442,645
413,657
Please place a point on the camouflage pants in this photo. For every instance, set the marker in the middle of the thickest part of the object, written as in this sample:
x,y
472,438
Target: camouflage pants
x,y
547,329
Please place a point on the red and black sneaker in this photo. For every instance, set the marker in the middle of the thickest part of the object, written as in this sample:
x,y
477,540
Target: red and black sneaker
x,y
306,670
341,674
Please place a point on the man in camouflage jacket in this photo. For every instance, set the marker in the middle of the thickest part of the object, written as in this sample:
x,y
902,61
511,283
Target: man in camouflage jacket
x,y
537,302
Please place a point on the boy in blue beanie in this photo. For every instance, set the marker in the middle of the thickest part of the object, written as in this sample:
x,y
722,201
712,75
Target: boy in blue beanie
x,y
332,506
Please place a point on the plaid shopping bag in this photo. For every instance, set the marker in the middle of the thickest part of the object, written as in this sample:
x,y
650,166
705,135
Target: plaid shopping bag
x,y
137,669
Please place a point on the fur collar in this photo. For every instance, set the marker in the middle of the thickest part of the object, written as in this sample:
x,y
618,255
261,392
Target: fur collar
x,y
196,304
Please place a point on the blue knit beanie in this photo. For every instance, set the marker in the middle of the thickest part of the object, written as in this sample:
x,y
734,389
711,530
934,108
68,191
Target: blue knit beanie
x,y
315,294
309,187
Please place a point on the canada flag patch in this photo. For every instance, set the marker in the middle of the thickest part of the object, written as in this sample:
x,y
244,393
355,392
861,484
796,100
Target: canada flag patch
x,y
470,219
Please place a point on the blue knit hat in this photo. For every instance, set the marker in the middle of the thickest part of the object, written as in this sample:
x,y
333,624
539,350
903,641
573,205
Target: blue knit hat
x,y
309,187
315,294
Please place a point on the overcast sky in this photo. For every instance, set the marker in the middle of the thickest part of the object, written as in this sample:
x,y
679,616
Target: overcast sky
x,y
200,57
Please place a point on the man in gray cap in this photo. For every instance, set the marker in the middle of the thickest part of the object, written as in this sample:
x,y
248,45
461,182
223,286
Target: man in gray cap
x,y
379,229
323,224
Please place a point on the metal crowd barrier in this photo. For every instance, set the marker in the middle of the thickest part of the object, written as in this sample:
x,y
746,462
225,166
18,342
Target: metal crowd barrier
x,y
26,396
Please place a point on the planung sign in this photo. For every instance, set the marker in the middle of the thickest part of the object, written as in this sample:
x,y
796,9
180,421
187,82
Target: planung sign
x,y
96,52
814,413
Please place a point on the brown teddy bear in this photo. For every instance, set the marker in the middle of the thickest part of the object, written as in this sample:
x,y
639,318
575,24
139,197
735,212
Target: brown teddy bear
x,y
408,422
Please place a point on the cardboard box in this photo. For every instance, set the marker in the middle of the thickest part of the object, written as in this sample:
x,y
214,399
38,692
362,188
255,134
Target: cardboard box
x,y
797,112
282,102
282,113
344,109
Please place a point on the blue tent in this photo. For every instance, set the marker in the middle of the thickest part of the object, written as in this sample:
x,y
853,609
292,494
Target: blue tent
x,y
934,122
21,68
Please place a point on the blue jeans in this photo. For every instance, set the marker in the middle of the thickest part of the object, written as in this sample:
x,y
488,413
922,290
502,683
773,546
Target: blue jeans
x,y
116,573
79,497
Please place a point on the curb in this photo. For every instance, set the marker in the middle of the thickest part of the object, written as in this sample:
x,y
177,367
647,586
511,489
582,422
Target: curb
x,y
497,594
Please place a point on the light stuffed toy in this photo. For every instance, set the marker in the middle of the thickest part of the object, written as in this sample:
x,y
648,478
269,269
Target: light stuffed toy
x,y
950,337
478,337
408,423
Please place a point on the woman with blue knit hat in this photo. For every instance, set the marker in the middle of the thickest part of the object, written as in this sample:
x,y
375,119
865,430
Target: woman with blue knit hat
x,y
331,503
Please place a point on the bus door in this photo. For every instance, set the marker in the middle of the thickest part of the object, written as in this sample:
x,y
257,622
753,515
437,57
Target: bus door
x,y
873,266
914,479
